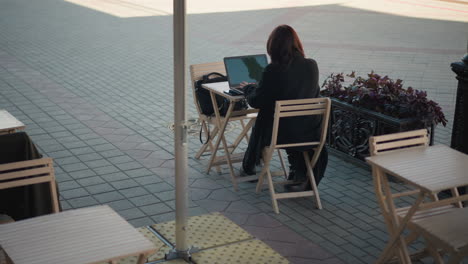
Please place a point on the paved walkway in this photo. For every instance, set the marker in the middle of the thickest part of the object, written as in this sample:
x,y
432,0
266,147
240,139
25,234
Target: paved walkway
x,y
94,89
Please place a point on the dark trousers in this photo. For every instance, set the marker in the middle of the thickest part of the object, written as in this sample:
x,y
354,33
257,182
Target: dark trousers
x,y
298,169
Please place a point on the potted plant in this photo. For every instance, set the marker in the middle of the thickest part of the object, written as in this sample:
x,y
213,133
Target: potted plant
x,y
374,105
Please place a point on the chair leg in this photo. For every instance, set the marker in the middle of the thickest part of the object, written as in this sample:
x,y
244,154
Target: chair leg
x,y
272,192
456,194
266,163
53,193
434,253
244,134
282,164
142,258
454,259
310,173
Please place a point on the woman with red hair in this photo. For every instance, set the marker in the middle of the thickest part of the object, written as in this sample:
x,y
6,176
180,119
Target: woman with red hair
x,y
289,76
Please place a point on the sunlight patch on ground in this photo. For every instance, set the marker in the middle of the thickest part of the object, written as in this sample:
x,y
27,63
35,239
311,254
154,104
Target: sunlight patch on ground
x,y
120,8
450,10
141,8
429,9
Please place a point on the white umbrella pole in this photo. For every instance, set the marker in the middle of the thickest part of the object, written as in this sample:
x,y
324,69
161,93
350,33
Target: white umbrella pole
x,y
180,141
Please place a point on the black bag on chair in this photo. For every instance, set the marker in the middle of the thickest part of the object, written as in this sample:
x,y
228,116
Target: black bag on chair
x,y
204,98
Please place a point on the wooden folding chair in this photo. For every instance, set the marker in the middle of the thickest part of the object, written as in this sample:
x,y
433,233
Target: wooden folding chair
x,y
196,72
447,232
293,108
30,172
396,142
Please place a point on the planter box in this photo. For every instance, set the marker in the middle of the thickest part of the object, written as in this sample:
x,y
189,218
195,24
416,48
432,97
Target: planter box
x,y
350,128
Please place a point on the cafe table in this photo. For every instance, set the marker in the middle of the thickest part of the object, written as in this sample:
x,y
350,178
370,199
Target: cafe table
x,y
431,170
8,123
229,158
88,235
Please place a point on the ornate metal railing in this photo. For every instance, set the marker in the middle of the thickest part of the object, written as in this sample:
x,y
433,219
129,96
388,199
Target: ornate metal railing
x,y
350,128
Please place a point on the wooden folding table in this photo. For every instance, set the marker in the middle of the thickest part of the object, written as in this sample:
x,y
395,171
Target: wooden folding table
x,y
89,235
229,158
429,169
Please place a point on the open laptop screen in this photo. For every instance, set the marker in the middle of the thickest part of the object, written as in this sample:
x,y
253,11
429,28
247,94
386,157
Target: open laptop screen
x,y
247,68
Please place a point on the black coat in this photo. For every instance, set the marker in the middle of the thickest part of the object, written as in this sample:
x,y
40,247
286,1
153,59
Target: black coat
x,y
298,80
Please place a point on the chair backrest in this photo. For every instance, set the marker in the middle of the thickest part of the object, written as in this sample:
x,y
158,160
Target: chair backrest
x,y
198,70
30,172
391,142
303,107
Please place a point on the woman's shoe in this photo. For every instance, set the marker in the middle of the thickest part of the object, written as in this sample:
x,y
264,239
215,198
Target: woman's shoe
x,y
298,187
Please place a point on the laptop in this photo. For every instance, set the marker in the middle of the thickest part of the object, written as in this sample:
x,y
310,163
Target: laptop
x,y
248,68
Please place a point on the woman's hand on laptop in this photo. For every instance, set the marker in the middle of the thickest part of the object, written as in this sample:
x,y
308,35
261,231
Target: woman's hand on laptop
x,y
243,84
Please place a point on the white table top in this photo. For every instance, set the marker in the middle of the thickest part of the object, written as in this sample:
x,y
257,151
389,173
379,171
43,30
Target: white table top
x,y
88,235
432,169
9,122
219,88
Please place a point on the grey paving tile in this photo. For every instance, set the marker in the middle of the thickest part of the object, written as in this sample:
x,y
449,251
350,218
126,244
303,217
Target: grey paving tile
x,y
148,179
97,163
89,157
111,153
116,176
104,147
60,154
154,209
133,192
106,170
68,185
108,197
66,160
90,181
81,150
124,184
120,205
120,159
139,172
99,188
82,174
144,200
74,193
83,202
140,222
161,218
166,195
158,187
132,213
129,165
74,167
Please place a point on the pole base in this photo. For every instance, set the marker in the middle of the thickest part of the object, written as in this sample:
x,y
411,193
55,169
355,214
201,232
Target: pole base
x,y
185,255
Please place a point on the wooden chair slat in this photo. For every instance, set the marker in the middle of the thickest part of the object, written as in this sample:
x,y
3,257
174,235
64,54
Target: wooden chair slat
x,y
282,146
302,107
25,164
302,113
321,100
24,173
23,182
401,135
402,143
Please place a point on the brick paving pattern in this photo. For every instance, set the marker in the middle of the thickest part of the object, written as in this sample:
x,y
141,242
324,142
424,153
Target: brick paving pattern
x,y
95,92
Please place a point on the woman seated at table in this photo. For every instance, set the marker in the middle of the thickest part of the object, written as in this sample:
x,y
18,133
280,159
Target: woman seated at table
x,y
289,76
